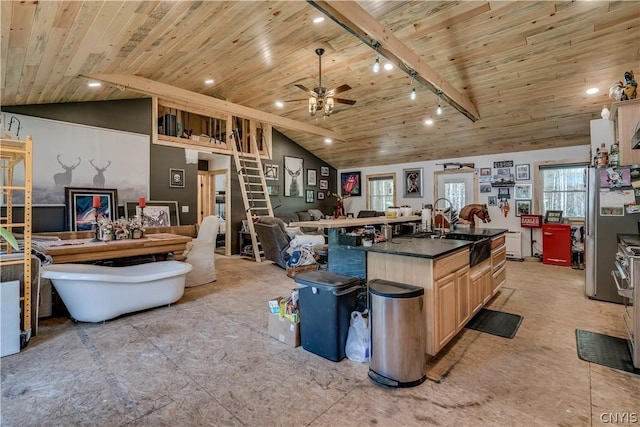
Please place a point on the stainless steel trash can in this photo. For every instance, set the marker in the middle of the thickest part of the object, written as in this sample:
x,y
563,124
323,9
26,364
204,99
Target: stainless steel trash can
x,y
396,318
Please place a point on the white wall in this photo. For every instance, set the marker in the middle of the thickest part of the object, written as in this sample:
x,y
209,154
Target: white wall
x,y
511,222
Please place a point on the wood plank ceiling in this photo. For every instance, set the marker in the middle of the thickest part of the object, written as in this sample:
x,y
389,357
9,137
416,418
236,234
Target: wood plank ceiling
x,y
524,65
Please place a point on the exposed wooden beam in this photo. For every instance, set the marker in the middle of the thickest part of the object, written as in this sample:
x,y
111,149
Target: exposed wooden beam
x,y
162,90
358,22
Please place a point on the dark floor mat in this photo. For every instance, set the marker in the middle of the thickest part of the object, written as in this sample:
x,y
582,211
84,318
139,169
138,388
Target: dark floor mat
x,y
496,323
605,350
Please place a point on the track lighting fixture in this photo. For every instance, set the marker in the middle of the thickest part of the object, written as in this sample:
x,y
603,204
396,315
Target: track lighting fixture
x,y
376,65
413,95
439,109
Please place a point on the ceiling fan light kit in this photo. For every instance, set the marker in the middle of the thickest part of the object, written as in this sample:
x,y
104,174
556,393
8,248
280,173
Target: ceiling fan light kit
x,y
320,98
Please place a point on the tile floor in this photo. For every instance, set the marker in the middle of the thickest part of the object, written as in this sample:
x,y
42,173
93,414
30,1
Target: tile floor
x,y
209,360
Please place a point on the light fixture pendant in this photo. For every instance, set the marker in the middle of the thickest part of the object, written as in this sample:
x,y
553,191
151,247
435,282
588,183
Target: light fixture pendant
x,y
439,110
376,65
413,95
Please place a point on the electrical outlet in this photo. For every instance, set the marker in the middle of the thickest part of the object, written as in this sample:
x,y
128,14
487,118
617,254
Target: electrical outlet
x,y
185,209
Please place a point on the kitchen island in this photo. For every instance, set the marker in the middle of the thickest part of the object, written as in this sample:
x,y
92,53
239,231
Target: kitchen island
x,y
460,272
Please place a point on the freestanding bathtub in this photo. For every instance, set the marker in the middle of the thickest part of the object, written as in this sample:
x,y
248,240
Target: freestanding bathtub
x,y
95,293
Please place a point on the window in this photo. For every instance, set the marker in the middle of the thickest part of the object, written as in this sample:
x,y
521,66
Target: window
x,y
564,189
455,191
381,192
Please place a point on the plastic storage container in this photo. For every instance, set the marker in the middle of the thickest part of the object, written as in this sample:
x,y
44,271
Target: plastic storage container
x,y
398,339
326,301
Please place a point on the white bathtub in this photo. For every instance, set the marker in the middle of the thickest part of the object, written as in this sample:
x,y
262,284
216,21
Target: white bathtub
x,y
94,293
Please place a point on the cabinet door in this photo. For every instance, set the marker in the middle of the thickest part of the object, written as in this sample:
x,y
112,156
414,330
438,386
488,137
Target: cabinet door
x,y
464,297
445,291
487,285
476,291
627,116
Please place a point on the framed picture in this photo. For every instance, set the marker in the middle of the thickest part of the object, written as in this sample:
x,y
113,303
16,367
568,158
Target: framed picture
x,y
412,182
270,171
155,214
492,201
523,207
293,166
485,188
176,178
553,217
485,171
324,171
324,184
320,195
309,197
503,172
350,183
522,172
79,205
522,191
272,189
311,177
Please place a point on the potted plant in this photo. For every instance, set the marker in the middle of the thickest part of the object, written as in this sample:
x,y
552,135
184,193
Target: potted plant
x,y
105,229
136,227
9,238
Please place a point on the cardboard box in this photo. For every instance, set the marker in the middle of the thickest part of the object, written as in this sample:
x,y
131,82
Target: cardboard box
x,y
292,271
283,330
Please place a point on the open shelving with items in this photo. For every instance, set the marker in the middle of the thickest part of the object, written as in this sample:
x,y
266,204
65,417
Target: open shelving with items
x,y
16,191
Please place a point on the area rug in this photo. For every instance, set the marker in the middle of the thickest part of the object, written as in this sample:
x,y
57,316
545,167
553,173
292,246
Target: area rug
x,y
605,350
495,323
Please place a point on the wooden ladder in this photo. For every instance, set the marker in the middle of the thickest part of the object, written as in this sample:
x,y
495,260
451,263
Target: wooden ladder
x,y
252,184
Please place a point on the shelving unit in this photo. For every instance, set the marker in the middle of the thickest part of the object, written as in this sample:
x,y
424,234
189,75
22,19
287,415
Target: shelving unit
x,y
12,153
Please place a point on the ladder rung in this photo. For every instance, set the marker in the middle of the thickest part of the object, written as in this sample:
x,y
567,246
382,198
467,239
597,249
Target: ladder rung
x,y
251,168
258,200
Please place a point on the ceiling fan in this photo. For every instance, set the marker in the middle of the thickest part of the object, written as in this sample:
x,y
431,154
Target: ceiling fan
x,y
320,98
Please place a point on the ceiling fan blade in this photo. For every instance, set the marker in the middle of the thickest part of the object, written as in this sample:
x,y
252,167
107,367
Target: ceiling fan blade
x,y
339,89
344,101
304,88
296,100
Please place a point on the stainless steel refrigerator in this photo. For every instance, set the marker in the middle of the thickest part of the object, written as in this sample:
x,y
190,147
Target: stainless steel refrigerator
x,y
601,242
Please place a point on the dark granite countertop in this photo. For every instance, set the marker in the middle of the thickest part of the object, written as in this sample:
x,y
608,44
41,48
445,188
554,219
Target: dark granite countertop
x,y
416,247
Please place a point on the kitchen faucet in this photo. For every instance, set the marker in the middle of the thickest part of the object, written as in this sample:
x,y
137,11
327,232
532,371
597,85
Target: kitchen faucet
x,y
447,211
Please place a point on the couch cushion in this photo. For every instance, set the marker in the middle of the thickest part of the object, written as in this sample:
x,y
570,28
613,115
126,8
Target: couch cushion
x,y
287,217
273,220
304,216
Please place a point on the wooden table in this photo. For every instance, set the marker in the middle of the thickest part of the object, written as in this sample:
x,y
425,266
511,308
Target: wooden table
x,y
81,250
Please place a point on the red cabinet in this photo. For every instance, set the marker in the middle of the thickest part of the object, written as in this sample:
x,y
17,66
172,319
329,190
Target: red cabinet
x,y
556,244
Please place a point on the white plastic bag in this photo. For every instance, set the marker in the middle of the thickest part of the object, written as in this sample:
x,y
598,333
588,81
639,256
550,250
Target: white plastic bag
x,y
357,348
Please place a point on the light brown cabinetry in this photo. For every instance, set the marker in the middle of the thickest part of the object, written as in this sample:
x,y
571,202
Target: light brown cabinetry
x,y
446,308
481,285
626,115
463,295
498,265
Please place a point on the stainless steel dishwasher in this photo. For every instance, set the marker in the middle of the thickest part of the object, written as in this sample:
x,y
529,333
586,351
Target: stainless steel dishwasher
x,y
397,334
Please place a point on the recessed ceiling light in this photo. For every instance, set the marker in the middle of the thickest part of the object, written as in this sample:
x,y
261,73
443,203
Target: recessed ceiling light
x,y
388,66
318,19
428,122
209,81
592,90
328,140
279,104
94,84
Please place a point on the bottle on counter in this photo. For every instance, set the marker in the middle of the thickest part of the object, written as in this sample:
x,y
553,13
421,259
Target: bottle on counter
x,y
603,159
614,156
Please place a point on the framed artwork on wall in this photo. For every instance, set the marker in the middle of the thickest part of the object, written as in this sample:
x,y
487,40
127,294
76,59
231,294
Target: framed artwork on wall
x,y
350,183
485,188
293,166
270,171
309,196
523,207
324,184
324,171
155,214
412,182
272,189
320,195
176,178
311,177
522,191
485,171
492,201
79,206
522,172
